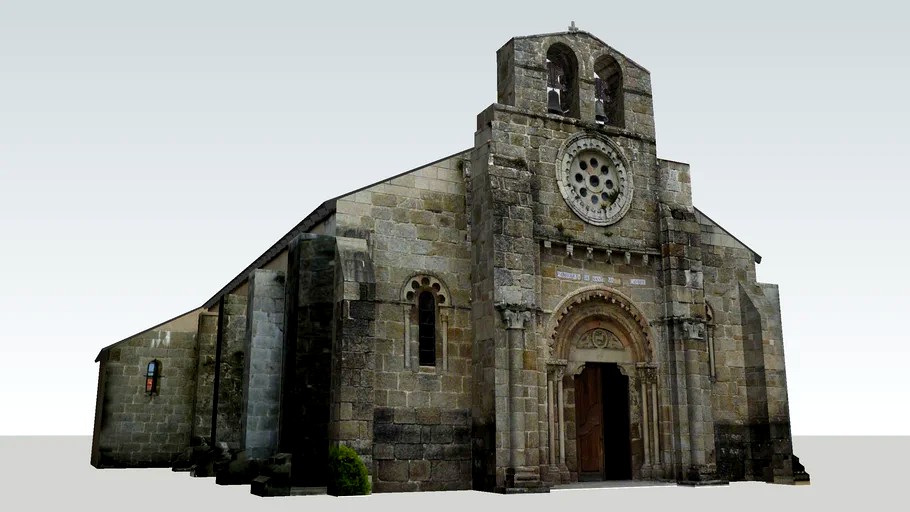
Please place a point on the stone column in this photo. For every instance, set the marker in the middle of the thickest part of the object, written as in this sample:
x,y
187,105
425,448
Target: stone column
x,y
561,405
444,320
647,373
556,418
551,415
656,430
693,338
515,325
522,472
645,420
702,466
406,322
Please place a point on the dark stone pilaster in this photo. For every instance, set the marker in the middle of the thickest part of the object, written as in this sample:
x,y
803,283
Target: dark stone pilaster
x,y
353,362
308,357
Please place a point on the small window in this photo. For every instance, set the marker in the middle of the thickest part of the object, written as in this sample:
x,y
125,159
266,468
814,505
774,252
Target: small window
x,y
152,373
427,328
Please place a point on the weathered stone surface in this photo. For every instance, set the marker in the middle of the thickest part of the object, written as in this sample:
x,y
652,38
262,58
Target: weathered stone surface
x,y
262,369
443,322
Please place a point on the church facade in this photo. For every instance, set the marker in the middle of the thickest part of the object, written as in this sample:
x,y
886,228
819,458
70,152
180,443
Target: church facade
x,y
545,307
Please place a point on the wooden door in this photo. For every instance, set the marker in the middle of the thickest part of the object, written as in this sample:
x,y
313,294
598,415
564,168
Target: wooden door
x,y
589,423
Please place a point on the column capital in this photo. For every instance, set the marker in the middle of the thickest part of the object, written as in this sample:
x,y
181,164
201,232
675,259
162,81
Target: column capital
x,y
694,328
647,372
687,327
514,317
556,368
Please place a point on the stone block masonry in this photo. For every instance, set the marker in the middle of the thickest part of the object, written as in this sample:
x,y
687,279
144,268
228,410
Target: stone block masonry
x,y
263,364
230,358
137,429
439,321
353,362
308,357
205,377
421,449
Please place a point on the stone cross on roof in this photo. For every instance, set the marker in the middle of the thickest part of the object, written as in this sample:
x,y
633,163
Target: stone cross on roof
x,y
572,27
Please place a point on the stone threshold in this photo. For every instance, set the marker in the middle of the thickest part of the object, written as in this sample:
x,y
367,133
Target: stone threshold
x,y
612,484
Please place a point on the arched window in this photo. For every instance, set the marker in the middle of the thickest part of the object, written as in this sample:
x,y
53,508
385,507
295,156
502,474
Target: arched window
x,y
562,81
427,330
608,94
427,303
152,374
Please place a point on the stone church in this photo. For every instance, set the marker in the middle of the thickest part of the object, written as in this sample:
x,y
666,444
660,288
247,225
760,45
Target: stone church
x,y
544,307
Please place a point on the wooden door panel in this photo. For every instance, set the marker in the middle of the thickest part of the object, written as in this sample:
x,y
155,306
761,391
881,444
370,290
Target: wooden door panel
x,y
589,421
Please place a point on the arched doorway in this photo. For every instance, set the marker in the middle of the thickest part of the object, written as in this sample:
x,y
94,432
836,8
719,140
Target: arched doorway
x,y
603,416
604,443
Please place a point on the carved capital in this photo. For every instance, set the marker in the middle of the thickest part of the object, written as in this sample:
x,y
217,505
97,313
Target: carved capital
x,y
647,372
693,329
556,369
514,318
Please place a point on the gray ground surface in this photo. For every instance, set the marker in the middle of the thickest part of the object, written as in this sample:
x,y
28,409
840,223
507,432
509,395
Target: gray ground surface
x,y
44,473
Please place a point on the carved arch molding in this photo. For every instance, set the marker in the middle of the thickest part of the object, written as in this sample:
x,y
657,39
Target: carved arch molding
x,y
599,318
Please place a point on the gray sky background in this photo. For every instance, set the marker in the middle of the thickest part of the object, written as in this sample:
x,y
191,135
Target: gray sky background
x,y
150,150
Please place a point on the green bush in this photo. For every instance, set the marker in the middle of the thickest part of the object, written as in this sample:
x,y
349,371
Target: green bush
x,y
347,473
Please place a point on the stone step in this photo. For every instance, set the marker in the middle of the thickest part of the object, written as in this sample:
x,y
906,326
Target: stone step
x,y
308,491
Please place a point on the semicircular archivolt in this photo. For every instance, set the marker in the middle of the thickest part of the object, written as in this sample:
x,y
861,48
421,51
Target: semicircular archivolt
x,y
604,306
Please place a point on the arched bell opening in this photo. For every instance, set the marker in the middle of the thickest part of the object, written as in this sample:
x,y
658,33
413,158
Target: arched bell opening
x,y
562,81
608,92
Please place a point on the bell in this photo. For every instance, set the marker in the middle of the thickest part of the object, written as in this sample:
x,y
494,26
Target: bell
x,y
553,105
599,114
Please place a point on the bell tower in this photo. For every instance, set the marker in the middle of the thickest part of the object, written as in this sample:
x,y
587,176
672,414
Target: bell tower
x,y
566,154
575,75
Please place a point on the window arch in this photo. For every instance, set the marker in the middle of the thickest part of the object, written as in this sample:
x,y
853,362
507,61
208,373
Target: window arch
x,y
608,92
426,300
562,81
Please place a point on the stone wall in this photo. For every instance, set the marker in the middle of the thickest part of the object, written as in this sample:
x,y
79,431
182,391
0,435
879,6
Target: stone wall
x,y
533,142
519,208
308,357
263,364
414,222
687,358
136,429
749,393
563,273
416,225
230,358
353,361
207,335
421,449
522,78
483,321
